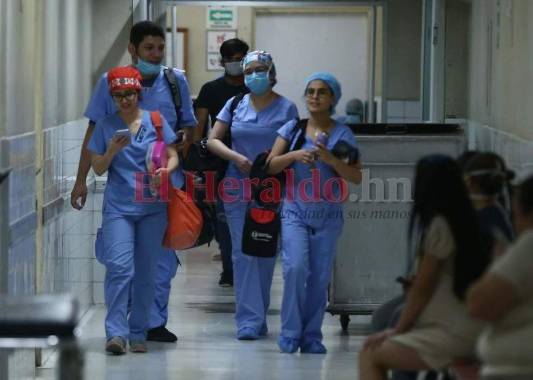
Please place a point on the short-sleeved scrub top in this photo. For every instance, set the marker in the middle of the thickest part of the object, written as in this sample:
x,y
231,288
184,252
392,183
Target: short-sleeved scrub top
x,y
128,167
329,200
254,132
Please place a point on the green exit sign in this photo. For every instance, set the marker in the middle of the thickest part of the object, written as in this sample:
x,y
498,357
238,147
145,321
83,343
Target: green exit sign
x,y
221,17
215,15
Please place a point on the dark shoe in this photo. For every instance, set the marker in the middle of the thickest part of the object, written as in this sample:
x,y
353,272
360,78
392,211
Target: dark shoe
x,y
161,334
225,280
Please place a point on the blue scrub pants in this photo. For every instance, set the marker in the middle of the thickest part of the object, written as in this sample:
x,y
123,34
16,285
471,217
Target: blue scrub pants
x,y
167,266
223,238
307,256
132,246
252,276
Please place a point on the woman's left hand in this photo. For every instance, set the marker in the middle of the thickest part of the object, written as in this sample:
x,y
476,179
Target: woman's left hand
x,y
324,154
377,339
160,175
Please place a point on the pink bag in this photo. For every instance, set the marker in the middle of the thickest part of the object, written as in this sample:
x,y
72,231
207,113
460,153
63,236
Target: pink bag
x,y
156,156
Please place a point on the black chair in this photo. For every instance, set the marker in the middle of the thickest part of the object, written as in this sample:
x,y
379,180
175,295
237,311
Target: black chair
x,y
43,321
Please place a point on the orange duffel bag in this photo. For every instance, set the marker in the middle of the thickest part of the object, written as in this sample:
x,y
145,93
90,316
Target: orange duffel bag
x,y
185,221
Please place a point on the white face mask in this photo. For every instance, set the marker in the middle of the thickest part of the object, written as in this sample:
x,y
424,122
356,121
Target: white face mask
x,y
233,69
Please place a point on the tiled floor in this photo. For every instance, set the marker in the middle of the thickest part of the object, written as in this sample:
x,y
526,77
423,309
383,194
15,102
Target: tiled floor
x,y
201,315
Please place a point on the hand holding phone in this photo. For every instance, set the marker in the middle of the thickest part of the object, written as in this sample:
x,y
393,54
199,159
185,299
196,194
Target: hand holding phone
x,y
120,139
122,133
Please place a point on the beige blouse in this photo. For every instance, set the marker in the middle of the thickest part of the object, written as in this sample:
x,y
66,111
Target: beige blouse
x,y
445,309
509,341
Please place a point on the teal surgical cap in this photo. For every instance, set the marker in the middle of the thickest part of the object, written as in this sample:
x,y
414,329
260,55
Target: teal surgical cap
x,y
330,80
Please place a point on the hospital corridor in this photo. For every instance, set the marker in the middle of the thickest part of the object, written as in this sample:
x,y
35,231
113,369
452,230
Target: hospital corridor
x,y
201,314
295,190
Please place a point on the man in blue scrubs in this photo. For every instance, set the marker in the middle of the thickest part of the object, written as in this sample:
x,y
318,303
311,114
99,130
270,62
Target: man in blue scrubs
x,y
147,50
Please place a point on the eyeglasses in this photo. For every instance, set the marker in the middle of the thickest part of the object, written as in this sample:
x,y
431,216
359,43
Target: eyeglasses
x,y
258,69
320,92
129,96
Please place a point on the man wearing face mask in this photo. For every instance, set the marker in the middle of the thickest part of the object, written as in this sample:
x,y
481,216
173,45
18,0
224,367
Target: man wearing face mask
x,y
147,50
210,101
213,95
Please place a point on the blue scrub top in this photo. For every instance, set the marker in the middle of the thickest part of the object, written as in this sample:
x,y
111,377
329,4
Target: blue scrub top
x,y
254,132
119,193
157,97
316,212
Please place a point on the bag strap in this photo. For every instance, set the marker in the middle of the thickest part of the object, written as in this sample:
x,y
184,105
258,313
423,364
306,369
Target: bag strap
x,y
170,76
155,116
301,127
233,106
235,102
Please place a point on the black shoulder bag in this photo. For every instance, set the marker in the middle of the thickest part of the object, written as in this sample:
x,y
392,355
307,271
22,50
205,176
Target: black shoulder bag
x,y
262,223
200,160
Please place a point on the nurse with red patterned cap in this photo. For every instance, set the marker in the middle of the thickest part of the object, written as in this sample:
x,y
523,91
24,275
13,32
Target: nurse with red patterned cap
x,y
134,217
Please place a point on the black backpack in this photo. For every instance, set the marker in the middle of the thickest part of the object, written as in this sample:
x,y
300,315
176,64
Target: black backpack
x,y
197,162
200,160
170,76
208,210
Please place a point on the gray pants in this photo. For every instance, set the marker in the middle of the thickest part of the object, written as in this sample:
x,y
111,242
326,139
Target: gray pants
x,y
386,316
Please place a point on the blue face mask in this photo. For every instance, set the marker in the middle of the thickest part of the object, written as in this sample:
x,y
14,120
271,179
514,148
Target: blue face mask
x,y
258,83
147,68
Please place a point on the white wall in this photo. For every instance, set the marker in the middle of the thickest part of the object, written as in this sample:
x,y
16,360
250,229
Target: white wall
x,y
404,40
111,24
45,71
305,43
501,83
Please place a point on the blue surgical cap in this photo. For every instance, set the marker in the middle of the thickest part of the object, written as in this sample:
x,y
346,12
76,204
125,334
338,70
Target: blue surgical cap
x,y
263,57
330,80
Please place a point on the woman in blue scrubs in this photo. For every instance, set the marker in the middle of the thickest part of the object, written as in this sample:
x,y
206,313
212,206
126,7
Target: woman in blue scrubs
x,y
134,220
311,225
253,130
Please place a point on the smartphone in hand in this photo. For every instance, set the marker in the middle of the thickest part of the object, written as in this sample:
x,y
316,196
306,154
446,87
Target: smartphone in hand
x,y
122,133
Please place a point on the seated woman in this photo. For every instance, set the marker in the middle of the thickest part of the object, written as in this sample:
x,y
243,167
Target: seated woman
x,y
434,328
134,221
504,297
486,179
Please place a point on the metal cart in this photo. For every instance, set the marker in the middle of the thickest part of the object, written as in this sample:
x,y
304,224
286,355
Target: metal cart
x,y
372,250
